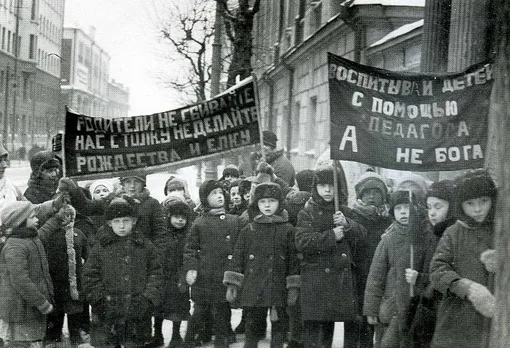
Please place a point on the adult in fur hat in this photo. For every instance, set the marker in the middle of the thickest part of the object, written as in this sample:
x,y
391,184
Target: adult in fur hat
x,y
331,244
46,172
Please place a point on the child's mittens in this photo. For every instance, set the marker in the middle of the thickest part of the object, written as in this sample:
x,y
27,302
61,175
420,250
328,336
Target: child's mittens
x,y
482,299
46,308
292,296
339,232
231,293
191,277
490,259
411,276
339,219
372,320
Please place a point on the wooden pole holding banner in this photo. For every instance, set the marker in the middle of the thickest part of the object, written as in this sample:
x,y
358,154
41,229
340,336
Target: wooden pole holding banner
x,y
259,115
335,185
411,238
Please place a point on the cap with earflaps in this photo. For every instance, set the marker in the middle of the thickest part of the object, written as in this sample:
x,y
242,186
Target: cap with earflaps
x,y
269,138
119,208
16,213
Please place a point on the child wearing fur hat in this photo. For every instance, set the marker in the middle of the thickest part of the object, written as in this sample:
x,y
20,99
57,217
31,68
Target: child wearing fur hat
x,y
207,255
26,290
440,217
371,211
122,280
66,250
333,248
175,305
463,266
264,274
387,293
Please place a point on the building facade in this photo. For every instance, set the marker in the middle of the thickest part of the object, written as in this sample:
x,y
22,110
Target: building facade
x,y
291,41
118,100
30,35
85,73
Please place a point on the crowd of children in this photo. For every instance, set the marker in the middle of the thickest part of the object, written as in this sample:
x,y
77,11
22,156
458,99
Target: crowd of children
x,y
409,268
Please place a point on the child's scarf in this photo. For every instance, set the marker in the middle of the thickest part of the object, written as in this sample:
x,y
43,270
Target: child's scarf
x,y
71,260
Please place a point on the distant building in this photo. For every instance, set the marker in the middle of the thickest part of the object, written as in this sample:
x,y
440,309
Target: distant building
x,y
291,41
118,100
85,73
30,40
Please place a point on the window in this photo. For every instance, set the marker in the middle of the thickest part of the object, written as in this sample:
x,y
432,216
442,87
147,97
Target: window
x,y
3,38
2,77
33,10
310,124
26,86
8,41
300,23
32,46
316,20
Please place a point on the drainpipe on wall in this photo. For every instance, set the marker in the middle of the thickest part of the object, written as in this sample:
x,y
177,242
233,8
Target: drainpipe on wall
x,y
290,95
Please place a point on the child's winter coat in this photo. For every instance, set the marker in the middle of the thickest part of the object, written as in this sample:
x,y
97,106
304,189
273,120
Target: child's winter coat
x,y
458,256
209,250
265,262
26,289
331,271
122,279
175,290
65,268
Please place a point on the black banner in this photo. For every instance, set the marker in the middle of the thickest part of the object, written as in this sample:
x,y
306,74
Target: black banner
x,y
409,121
95,145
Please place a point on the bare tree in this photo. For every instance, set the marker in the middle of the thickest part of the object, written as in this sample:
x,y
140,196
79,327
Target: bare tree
x,y
188,27
238,27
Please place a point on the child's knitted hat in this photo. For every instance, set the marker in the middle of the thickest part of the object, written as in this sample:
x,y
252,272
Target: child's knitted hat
x,y
475,183
174,184
370,180
119,208
16,213
206,188
442,189
304,180
174,205
231,170
399,197
100,182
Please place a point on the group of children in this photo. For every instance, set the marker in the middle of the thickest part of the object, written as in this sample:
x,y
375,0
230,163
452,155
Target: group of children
x,y
414,270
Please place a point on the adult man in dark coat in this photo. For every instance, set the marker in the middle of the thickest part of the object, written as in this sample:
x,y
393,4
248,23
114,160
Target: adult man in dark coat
x,y
283,168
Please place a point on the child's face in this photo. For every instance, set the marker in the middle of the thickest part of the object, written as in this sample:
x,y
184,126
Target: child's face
x,y
32,222
235,197
437,209
401,212
100,192
177,192
230,178
326,191
122,226
268,206
178,221
477,208
372,196
50,173
132,186
215,199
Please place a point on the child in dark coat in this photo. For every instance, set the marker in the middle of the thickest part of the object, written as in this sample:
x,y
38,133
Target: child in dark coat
x,y
333,248
26,290
175,304
122,280
440,217
387,293
265,266
207,255
464,265
66,249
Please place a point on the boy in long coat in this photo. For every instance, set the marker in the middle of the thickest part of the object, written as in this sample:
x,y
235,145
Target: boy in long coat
x,y
122,279
332,273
